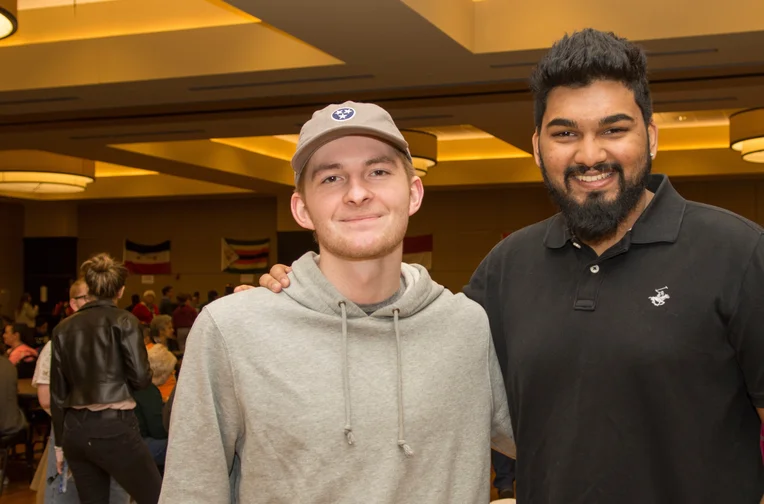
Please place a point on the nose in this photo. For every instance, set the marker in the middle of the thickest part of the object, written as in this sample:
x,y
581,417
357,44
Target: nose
x,y
590,152
357,192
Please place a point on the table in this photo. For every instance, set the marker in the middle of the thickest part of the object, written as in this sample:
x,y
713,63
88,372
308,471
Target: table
x,y
25,389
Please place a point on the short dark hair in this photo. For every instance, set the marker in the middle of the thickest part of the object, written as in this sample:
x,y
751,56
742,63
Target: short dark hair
x,y
182,297
213,294
166,289
578,60
135,298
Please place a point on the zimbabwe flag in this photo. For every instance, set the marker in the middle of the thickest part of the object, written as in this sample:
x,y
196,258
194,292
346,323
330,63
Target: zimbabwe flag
x,y
245,256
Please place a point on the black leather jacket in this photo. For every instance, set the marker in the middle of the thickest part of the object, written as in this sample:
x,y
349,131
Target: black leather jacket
x,y
97,357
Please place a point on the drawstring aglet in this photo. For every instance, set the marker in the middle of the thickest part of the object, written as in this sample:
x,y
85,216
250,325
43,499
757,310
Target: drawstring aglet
x,y
406,448
349,436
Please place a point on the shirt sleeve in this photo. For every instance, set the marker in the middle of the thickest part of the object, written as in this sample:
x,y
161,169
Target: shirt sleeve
x,y
746,326
502,436
42,368
59,390
206,423
484,289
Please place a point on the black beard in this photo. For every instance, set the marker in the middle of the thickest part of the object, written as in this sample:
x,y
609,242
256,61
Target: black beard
x,y
597,220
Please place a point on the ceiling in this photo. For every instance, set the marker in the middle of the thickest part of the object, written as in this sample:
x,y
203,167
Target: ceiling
x,y
202,97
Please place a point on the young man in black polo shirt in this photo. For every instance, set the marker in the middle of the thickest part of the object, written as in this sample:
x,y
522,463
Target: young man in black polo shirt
x,y
630,326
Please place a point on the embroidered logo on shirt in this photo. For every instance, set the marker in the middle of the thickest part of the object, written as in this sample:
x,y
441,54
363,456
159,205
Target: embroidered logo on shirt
x,y
660,298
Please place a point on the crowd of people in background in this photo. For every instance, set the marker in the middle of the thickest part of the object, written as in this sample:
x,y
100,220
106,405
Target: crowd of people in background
x,y
27,346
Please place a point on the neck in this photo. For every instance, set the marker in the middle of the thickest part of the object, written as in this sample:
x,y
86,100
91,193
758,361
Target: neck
x,y
625,226
15,345
367,281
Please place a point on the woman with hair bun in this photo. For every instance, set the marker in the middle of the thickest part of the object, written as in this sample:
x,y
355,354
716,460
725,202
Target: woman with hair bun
x,y
98,361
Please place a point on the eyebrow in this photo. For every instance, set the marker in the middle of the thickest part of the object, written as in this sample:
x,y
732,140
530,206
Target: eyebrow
x,y
612,119
335,166
605,121
559,121
324,167
380,160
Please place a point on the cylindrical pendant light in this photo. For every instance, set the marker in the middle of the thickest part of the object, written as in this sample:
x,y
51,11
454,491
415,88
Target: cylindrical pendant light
x,y
8,20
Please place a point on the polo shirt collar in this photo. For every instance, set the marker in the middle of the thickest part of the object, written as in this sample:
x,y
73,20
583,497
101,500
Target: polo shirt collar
x,y
660,222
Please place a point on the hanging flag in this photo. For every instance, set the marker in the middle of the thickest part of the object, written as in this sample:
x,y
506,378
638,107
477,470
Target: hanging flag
x,y
418,249
245,256
147,259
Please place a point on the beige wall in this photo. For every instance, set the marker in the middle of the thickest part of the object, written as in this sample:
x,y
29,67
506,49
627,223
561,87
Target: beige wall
x,y
11,256
195,228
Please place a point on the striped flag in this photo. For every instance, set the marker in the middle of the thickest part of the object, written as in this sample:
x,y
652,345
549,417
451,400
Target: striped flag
x,y
418,249
245,256
147,259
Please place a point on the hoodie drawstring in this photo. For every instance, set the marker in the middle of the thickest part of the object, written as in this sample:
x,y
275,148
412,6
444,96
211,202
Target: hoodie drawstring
x,y
345,375
401,432
346,382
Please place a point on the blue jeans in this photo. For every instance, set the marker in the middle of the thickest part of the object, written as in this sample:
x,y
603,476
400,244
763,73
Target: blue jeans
x,y
117,494
505,470
158,449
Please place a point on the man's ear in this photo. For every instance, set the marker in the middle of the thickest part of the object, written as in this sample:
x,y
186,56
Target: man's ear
x,y
416,190
300,211
536,151
652,138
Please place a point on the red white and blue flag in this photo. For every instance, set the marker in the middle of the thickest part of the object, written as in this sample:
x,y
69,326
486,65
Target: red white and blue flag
x,y
147,259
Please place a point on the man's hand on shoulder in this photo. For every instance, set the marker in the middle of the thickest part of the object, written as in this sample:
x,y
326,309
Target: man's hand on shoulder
x,y
277,278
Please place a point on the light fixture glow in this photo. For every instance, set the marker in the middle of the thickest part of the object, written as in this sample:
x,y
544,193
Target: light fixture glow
x,y
43,182
424,150
747,134
8,20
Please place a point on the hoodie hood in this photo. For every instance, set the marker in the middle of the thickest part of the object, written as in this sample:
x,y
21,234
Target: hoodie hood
x,y
309,287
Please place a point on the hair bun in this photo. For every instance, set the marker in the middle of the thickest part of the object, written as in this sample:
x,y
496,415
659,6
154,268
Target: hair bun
x,y
101,263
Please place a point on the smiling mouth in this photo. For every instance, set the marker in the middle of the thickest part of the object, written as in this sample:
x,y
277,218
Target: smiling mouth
x,y
594,178
359,219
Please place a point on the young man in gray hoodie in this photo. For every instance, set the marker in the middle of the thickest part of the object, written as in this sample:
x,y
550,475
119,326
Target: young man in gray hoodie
x,y
365,381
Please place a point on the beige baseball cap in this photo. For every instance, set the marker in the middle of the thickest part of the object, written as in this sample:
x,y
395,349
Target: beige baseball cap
x,y
339,120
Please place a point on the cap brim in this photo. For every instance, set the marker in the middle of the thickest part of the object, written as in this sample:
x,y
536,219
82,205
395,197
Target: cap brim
x,y
304,153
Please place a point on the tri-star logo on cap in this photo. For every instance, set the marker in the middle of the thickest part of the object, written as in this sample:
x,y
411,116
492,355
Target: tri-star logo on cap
x,y
343,114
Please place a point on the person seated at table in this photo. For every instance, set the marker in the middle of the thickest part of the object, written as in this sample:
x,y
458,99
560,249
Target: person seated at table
x,y
147,309
149,403
11,417
18,351
161,331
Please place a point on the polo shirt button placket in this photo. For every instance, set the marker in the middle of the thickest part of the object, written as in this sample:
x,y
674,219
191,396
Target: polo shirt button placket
x,y
595,269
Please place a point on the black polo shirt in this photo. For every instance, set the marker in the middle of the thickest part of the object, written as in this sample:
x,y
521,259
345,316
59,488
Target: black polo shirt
x,y
633,377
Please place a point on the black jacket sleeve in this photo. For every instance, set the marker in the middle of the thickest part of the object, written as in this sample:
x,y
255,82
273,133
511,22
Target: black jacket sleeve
x,y
134,356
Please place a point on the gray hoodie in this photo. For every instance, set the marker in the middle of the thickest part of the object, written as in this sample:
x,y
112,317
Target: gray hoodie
x,y
322,403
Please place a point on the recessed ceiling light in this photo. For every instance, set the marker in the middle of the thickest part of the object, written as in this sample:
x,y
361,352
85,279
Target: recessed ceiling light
x,y
681,118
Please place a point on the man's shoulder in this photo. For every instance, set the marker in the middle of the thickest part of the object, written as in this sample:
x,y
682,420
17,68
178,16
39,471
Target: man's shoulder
x,y
246,304
719,224
457,308
527,239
